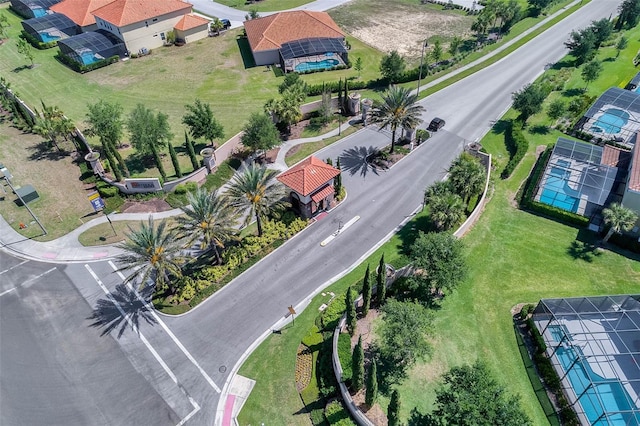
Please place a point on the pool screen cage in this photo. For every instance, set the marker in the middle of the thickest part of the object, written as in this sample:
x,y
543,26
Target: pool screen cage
x,y
100,44
55,25
593,344
32,8
604,125
575,171
312,50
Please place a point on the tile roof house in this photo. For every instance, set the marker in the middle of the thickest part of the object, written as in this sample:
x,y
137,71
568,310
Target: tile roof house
x,y
285,36
311,185
141,24
191,28
79,11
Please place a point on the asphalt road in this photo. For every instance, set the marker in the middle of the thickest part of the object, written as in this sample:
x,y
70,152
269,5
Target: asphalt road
x,y
56,368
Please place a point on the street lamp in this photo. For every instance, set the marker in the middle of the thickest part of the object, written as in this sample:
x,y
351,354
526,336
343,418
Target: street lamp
x,y
425,44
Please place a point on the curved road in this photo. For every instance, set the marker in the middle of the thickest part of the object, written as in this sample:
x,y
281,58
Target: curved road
x,y
175,368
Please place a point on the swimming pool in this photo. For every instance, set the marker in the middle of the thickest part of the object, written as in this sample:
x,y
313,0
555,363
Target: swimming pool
x,y
46,37
605,396
88,58
556,191
319,65
611,121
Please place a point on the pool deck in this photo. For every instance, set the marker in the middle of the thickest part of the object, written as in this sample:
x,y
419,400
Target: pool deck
x,y
290,65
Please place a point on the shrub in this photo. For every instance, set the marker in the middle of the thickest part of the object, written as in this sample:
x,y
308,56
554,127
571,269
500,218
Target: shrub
x,y
332,313
312,338
212,274
191,186
326,377
106,191
337,415
517,145
37,43
344,354
180,189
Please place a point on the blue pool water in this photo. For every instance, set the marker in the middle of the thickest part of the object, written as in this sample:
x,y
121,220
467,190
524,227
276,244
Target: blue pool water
x,y
556,191
88,58
46,37
606,395
320,65
39,12
611,121
637,89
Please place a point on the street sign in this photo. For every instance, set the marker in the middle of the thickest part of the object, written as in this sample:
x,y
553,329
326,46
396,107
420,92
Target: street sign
x,y
96,201
291,310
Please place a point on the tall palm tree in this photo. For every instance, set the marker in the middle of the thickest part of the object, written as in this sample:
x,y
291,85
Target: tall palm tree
x,y
255,190
152,253
620,218
398,109
208,218
467,176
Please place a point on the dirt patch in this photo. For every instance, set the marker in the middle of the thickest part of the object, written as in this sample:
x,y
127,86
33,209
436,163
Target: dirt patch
x,y
375,413
400,27
154,205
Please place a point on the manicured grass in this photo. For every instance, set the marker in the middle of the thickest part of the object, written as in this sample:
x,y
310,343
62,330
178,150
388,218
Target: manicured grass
x,y
103,233
305,150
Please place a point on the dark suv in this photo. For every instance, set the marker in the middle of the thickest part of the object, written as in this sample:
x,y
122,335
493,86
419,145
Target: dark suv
x,y
436,124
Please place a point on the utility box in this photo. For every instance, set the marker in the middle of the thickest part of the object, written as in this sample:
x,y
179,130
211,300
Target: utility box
x,y
27,193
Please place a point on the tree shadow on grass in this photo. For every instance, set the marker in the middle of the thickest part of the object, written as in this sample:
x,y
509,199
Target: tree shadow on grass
x,y
356,160
108,312
580,250
46,151
409,232
500,126
539,129
139,163
588,238
569,93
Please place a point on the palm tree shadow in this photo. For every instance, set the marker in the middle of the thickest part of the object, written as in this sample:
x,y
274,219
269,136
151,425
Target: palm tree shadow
x,y
108,312
356,160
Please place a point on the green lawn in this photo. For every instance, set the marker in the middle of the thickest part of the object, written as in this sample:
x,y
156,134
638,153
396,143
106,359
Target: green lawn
x,y
263,5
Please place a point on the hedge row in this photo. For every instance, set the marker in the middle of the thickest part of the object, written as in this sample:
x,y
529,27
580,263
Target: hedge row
x,y
77,67
528,202
517,145
37,43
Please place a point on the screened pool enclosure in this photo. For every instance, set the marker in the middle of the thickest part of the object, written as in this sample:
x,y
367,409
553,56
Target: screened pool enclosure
x,y
93,46
593,344
614,116
32,8
51,27
576,179
311,54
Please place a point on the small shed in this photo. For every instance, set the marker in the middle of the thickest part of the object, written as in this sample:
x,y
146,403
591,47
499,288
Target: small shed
x,y
191,28
26,194
311,185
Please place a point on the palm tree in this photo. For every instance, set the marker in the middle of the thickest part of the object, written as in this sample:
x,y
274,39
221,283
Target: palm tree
x,y
446,210
620,218
217,25
208,218
467,176
436,189
398,109
255,190
152,253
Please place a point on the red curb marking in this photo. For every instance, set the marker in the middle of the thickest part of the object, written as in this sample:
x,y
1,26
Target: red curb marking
x,y
228,410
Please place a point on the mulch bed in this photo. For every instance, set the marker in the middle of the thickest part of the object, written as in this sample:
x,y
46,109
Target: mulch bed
x,y
304,367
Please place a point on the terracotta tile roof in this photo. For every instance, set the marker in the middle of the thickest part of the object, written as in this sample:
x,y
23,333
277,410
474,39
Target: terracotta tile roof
x,y
270,32
308,176
190,21
323,193
615,157
125,12
634,172
79,11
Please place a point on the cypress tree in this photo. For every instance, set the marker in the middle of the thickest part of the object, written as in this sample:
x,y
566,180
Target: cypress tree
x,y
112,161
371,393
329,161
346,97
337,181
393,411
158,160
191,151
381,282
340,96
174,160
116,154
357,366
351,312
366,292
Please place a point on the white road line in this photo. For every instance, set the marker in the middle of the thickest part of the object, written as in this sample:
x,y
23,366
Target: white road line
x,y
144,340
28,281
14,266
169,332
340,230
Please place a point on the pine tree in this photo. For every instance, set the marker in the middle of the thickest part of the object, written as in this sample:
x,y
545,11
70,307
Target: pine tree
x,y
381,282
174,160
337,181
192,153
372,386
393,411
357,366
351,312
366,292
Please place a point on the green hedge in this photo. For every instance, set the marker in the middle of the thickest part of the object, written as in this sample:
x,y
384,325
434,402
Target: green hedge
x,y
527,202
37,43
344,354
516,144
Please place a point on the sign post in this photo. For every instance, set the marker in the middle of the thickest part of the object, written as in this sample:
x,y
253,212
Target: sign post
x,y
98,206
292,312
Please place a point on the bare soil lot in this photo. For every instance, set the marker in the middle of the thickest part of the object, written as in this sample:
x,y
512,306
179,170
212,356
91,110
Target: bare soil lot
x,y
63,203
397,25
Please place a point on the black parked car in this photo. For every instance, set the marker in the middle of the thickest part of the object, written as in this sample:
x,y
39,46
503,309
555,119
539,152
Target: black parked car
x,y
436,124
